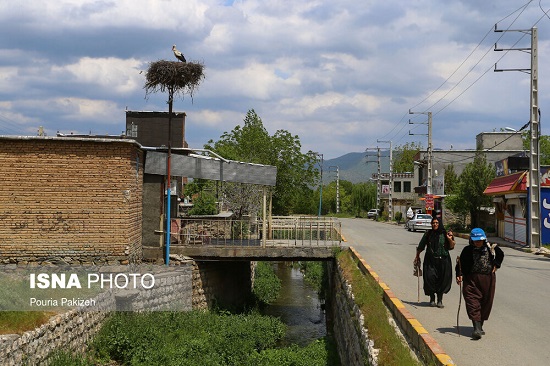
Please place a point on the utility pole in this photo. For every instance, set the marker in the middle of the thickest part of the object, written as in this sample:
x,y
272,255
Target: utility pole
x,y
378,183
429,184
534,222
390,203
337,187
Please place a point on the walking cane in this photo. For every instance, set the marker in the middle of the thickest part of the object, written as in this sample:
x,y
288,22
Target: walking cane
x,y
417,273
459,296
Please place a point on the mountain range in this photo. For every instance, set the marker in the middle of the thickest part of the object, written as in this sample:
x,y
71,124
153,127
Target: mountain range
x,y
355,167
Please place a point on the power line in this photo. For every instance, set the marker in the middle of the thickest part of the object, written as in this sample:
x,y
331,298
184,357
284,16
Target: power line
x,y
521,9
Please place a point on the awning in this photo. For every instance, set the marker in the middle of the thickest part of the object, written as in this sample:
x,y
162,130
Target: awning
x,y
513,183
197,166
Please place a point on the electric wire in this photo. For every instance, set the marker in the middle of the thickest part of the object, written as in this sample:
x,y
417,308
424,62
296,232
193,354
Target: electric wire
x,y
521,9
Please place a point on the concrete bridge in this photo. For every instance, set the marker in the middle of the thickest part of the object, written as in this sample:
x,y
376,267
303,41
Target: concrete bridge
x,y
287,238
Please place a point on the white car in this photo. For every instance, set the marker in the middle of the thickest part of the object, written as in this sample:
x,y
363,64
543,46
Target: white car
x,y
419,222
373,213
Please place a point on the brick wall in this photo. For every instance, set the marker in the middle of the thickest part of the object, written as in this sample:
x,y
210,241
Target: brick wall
x,y
70,200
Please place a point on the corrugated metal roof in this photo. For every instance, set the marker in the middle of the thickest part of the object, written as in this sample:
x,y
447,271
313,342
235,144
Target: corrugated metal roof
x,y
513,183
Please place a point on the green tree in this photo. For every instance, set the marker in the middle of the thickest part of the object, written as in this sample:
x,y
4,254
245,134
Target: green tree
x,y
204,204
469,193
403,157
451,179
363,197
252,143
544,146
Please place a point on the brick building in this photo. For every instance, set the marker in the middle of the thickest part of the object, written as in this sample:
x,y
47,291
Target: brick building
x,y
74,200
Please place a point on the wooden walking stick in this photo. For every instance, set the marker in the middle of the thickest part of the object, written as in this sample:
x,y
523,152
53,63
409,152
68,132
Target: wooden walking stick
x,y
417,272
459,296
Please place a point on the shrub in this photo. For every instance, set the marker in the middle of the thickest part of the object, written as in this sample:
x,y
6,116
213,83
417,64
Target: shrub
x,y
398,216
266,283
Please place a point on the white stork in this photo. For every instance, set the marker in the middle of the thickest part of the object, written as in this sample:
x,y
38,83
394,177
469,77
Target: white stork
x,y
178,54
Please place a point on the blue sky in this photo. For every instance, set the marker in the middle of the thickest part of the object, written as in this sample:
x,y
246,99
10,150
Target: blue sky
x,y
340,74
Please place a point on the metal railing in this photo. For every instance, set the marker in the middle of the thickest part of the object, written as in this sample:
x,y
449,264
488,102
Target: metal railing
x,y
281,230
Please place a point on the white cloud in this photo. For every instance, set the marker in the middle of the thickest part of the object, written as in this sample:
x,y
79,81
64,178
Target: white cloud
x,y
111,74
339,74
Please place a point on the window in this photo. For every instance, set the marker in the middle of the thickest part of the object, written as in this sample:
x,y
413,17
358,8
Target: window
x,y
397,186
407,187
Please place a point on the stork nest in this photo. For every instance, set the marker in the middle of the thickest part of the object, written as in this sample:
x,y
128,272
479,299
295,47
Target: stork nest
x,y
174,77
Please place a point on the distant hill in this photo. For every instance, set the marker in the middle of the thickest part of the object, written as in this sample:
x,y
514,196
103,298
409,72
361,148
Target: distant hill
x,y
355,167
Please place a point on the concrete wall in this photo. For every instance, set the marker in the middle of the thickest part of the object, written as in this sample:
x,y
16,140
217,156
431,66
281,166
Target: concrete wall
x,y
70,200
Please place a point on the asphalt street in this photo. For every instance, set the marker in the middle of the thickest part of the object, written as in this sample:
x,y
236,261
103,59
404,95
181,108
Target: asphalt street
x,y
517,332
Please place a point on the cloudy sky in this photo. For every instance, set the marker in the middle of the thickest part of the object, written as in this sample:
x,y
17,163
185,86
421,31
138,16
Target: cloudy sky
x,y
341,74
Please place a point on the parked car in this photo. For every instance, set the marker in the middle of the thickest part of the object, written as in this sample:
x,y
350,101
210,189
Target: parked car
x,y
373,213
419,222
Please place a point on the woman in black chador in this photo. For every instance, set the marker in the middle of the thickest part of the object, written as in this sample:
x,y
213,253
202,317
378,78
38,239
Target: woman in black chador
x,y
437,268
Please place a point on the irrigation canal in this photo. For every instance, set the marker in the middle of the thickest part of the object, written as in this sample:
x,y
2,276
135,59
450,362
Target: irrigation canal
x,y
298,306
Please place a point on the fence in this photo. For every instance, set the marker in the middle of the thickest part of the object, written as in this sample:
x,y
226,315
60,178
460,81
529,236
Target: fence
x,y
281,230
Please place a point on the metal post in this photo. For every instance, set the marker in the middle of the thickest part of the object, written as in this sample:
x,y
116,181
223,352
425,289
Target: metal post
x,y
264,221
429,188
337,187
337,190
320,186
168,178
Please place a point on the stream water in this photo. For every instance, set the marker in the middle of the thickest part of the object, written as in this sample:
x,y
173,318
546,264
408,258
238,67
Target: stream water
x,y
298,306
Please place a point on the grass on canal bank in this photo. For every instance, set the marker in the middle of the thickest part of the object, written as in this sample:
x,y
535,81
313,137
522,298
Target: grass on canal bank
x,y
369,297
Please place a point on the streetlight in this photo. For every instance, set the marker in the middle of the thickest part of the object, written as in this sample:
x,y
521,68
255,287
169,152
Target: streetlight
x,y
320,184
337,187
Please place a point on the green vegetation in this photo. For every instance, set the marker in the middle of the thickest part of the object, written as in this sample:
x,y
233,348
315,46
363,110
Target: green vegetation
x,y
468,197
403,157
316,275
18,322
196,338
368,296
179,338
253,143
266,283
204,204
320,352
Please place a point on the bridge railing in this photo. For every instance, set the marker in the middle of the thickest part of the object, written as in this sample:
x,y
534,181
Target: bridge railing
x,y
281,230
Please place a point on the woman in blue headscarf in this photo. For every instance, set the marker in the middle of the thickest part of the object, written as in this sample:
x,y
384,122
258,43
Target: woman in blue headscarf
x,y
437,268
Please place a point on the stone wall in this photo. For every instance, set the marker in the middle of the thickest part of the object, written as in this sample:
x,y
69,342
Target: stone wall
x,y
70,200
352,338
222,283
73,329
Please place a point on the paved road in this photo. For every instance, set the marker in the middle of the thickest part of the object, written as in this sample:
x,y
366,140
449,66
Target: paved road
x,y
518,331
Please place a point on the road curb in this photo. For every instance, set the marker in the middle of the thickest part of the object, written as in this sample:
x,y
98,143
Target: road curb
x,y
416,334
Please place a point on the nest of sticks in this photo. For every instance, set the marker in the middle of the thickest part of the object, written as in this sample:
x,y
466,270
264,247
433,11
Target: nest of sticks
x,y
174,77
